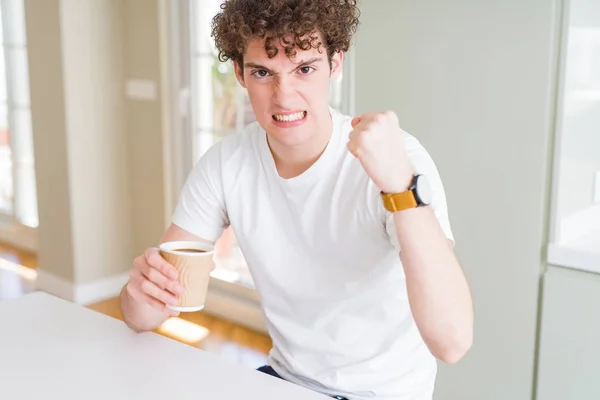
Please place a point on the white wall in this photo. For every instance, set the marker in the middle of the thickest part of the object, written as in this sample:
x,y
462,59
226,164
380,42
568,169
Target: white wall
x,y
98,154
474,81
145,121
76,72
55,247
98,148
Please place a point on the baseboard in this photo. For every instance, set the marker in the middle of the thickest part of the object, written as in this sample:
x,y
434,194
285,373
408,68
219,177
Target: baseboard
x,y
92,292
82,293
59,287
231,302
19,236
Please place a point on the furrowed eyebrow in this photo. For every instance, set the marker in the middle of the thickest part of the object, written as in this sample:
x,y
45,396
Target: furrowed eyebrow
x,y
309,61
300,65
257,66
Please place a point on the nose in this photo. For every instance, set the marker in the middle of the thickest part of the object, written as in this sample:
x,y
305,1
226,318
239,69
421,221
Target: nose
x,y
283,92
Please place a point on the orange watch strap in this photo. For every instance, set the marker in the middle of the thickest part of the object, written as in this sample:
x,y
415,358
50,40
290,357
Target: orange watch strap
x,y
399,201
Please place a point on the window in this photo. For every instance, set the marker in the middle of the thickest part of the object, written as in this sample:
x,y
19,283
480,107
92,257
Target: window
x,y
577,173
219,106
18,198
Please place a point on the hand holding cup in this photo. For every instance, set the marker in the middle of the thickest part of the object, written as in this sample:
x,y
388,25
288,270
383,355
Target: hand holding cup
x,y
172,278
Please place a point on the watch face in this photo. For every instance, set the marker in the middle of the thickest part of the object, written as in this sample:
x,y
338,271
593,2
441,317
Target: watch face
x,y
423,190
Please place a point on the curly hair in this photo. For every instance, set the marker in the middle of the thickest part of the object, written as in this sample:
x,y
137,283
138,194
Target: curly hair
x,y
291,23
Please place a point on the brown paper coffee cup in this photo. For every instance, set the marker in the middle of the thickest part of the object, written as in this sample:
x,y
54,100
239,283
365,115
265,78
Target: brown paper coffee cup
x,y
193,261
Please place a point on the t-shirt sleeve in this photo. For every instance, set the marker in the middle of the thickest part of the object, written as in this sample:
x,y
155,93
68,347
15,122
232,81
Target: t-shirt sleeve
x,y
201,207
423,164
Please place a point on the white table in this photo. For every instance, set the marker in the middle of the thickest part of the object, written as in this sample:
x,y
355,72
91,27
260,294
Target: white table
x,y
54,349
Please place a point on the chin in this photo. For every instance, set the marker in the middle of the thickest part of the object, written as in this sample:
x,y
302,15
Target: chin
x,y
290,137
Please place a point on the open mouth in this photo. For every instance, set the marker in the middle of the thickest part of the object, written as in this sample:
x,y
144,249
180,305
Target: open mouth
x,y
290,117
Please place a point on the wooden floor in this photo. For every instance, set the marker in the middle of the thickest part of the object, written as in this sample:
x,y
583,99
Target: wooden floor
x,y
234,342
17,272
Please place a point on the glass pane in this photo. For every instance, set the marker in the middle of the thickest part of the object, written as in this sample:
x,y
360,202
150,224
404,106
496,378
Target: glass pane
x,y
6,178
224,96
202,97
25,190
26,196
22,137
15,21
229,260
19,77
218,97
204,10
3,95
2,22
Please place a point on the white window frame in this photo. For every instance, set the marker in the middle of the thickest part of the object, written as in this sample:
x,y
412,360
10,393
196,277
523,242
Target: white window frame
x,y
232,301
575,74
12,230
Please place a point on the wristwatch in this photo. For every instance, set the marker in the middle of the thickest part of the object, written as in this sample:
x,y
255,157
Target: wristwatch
x,y
417,195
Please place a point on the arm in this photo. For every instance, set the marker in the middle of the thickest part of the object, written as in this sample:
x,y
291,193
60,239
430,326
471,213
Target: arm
x,y
152,284
200,215
438,293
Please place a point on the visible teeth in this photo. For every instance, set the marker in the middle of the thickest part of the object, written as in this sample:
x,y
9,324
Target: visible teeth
x,y
290,117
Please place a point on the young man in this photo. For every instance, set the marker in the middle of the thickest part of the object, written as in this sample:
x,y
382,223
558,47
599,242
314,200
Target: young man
x,y
343,221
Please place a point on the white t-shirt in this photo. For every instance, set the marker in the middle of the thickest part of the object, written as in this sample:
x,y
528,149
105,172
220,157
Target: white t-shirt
x,y
324,257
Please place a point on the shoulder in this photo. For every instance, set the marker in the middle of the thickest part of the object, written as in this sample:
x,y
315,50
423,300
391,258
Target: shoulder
x,y
419,156
232,148
240,140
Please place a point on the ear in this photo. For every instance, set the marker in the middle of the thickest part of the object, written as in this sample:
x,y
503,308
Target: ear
x,y
239,74
337,61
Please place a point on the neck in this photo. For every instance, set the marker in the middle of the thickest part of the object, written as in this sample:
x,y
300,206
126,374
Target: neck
x,y
293,161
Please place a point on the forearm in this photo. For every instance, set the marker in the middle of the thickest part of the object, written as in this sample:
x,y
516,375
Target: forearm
x,y
438,293
140,316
